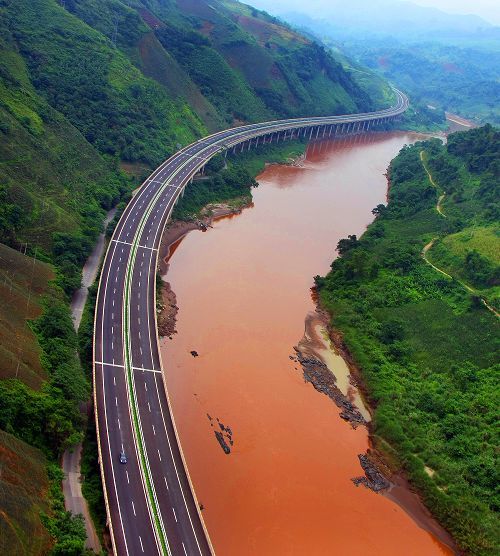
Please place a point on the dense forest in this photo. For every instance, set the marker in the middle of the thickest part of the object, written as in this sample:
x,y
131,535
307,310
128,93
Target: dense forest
x,y
415,297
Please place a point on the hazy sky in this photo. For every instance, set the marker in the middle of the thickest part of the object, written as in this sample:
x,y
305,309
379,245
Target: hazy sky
x,y
487,9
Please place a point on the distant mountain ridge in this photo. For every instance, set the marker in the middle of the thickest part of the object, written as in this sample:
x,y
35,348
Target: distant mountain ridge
x,y
381,18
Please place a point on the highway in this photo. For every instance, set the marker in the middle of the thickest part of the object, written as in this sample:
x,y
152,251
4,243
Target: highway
x,y
150,501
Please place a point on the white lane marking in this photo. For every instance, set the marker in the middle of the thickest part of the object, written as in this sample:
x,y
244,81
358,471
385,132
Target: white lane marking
x,y
149,407
154,432
174,514
145,387
166,484
142,369
119,426
116,401
113,302
142,547
184,549
128,479
138,321
139,335
128,243
133,507
112,316
112,346
114,381
175,467
159,455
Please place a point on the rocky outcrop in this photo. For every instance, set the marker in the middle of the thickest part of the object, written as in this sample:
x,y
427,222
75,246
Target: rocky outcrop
x,y
320,376
224,436
373,478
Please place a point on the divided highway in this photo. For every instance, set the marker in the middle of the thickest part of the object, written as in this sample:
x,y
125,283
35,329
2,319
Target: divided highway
x,y
150,501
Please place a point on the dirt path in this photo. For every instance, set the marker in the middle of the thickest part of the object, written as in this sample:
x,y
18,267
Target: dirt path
x,y
434,184
433,241
74,501
89,273
463,284
72,487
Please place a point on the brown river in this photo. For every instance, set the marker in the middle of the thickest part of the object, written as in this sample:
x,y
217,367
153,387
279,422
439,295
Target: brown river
x,y
243,291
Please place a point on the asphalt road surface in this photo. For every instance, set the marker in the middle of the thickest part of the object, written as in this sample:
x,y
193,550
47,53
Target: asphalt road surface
x,y
150,502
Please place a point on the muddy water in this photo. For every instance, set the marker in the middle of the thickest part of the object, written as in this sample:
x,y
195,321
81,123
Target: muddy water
x,y
243,289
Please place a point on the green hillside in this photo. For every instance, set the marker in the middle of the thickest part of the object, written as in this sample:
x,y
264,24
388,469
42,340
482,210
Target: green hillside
x,y
24,486
93,94
416,299
87,87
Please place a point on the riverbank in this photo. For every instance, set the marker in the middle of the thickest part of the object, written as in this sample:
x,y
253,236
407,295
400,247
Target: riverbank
x,y
173,234
413,333
342,380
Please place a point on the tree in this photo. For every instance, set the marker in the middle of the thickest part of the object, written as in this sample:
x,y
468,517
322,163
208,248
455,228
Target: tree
x,y
345,245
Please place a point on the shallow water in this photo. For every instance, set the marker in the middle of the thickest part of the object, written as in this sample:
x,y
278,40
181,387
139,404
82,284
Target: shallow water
x,y
243,289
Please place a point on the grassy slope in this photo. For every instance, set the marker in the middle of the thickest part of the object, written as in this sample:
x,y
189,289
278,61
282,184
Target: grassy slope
x,y
24,484
23,475
264,68
22,281
426,347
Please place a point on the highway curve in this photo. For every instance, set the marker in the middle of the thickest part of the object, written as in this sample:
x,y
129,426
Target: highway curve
x,y
150,503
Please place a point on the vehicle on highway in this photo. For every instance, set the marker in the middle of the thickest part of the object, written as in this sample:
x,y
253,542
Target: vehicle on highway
x,y
123,457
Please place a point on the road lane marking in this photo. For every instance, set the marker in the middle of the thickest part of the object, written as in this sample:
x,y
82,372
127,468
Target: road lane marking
x,y
142,369
119,426
175,515
175,467
184,549
159,455
116,401
154,432
128,479
133,508
128,243
166,484
142,547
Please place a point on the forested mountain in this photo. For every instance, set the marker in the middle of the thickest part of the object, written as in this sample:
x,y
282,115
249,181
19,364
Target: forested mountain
x,y
459,78
94,93
450,62
86,86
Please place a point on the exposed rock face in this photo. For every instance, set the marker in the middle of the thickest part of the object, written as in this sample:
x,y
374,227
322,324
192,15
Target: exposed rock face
x,y
167,312
319,375
373,478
